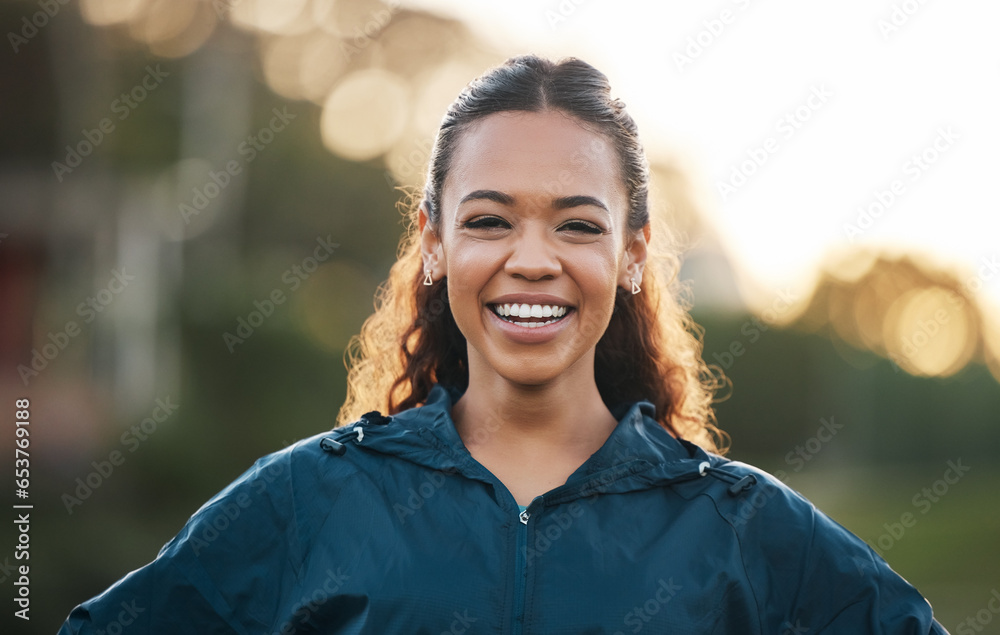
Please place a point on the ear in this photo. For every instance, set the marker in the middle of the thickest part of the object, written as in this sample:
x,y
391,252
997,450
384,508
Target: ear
x,y
431,248
635,258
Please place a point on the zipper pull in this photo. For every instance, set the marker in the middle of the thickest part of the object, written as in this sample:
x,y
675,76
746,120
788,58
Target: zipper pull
x,y
524,516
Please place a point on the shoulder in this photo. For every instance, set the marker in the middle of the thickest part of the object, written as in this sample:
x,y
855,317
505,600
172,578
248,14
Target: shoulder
x,y
811,570
289,492
279,473
771,522
222,571
743,493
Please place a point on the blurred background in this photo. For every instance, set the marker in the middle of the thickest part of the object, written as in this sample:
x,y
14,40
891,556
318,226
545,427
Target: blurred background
x,y
170,170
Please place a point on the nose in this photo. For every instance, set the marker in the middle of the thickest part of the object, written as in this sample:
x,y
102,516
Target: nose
x,y
533,256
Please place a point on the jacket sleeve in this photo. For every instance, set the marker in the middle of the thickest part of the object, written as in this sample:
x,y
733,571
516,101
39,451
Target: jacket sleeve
x,y
817,577
223,573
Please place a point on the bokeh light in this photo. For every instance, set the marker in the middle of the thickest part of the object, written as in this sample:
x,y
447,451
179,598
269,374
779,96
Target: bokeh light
x,y
366,114
930,331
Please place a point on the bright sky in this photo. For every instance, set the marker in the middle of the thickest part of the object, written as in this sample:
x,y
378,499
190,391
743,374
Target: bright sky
x,y
874,108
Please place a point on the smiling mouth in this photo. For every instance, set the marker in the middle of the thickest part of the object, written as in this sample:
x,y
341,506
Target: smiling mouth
x,y
530,315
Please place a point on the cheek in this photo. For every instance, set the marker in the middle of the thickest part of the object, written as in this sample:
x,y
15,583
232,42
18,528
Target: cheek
x,y
470,268
469,259
596,267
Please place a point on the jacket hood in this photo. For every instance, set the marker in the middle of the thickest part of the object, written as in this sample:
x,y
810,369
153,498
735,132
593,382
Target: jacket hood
x,y
639,453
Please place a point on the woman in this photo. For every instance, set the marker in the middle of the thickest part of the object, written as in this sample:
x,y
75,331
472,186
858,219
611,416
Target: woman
x,y
548,460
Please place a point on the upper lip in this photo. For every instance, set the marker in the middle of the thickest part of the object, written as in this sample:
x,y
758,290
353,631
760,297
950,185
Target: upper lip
x,y
530,298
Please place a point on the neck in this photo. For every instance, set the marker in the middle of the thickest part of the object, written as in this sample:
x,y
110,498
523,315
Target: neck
x,y
566,413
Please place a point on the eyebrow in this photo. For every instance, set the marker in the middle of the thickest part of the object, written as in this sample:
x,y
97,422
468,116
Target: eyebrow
x,y
566,202
562,202
488,195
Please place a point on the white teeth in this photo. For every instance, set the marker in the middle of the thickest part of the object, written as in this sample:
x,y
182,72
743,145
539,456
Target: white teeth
x,y
534,325
530,310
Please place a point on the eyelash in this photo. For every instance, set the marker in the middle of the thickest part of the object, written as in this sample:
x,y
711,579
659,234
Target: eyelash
x,y
588,228
494,222
485,222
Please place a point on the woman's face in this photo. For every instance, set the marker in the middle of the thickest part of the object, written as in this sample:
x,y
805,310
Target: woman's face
x,y
533,241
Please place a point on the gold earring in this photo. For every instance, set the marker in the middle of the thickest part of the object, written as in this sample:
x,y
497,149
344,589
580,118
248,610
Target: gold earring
x,y
427,278
635,287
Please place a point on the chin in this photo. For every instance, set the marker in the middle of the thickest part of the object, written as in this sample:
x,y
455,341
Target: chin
x,y
523,376
529,370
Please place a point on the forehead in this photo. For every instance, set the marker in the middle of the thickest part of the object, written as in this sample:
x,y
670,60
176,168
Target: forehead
x,y
534,156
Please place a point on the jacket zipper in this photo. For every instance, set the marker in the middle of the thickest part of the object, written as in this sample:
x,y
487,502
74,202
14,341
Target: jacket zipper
x,y
519,572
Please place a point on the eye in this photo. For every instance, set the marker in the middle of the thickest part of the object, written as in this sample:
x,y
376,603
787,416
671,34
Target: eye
x,y
486,222
582,226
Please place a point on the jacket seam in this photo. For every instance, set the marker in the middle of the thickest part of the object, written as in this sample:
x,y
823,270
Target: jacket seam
x,y
591,487
743,562
299,547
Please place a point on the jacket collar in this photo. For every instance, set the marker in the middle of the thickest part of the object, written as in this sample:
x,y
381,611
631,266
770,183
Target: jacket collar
x,y
638,454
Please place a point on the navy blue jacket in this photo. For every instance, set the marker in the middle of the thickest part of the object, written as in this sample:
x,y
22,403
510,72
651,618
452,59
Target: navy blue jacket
x,y
390,526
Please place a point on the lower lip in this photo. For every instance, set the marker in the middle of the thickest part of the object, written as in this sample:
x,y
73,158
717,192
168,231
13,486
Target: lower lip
x,y
531,334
